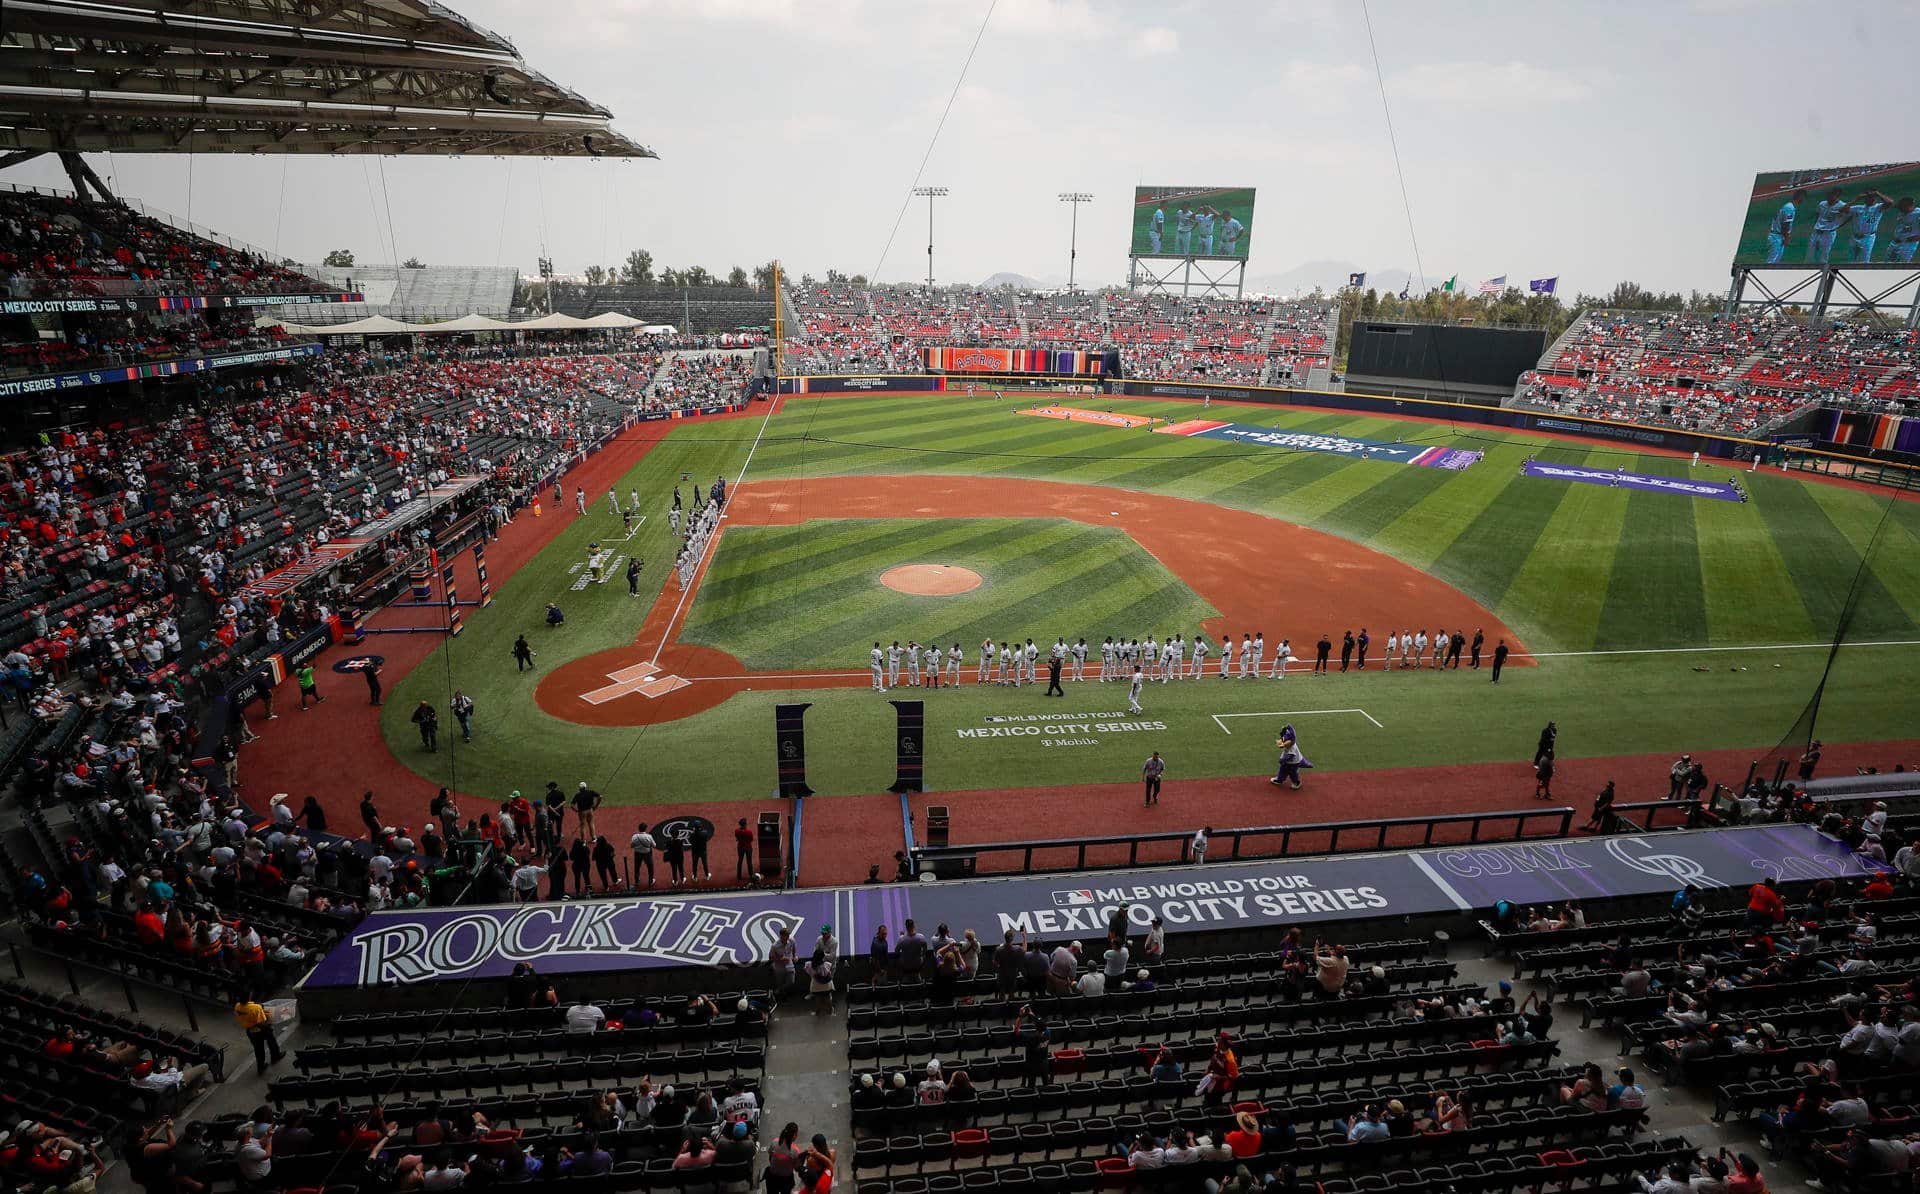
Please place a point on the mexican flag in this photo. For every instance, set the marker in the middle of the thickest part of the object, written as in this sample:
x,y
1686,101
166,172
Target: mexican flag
x,y
1450,282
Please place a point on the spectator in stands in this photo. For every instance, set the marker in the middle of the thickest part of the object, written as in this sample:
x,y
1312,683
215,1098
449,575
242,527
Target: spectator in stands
x,y
1330,965
585,1017
820,982
784,1155
1032,1037
254,1021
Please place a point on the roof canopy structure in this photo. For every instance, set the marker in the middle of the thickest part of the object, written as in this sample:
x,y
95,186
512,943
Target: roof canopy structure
x,y
279,76
380,325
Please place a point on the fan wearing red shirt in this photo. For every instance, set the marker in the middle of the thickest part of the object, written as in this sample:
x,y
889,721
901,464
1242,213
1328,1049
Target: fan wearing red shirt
x,y
742,851
1765,908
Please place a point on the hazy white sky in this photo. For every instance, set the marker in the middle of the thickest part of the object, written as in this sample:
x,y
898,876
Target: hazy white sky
x,y
1596,141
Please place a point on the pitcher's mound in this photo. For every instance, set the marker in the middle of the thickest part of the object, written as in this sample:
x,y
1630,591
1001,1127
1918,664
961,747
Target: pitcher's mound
x,y
930,580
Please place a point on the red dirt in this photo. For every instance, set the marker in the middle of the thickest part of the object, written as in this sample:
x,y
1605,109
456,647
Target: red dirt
x,y
1257,571
930,580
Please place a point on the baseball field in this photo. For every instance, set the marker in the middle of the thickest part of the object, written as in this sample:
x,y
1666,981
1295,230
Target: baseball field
x,y
1642,620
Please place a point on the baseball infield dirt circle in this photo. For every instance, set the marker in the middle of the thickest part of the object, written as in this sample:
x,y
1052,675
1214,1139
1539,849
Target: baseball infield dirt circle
x,y
930,580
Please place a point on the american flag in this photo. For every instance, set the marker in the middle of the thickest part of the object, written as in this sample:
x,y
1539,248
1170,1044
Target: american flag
x,y
1494,285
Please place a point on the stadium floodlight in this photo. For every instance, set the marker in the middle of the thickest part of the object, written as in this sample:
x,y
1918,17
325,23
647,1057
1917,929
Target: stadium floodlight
x,y
930,193
1073,235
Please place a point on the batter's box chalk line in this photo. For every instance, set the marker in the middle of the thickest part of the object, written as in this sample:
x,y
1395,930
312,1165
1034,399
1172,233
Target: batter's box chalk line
x,y
586,577
639,678
1218,717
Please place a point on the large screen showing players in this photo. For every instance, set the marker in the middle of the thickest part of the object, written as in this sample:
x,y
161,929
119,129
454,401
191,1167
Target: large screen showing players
x,y
1843,215
1192,222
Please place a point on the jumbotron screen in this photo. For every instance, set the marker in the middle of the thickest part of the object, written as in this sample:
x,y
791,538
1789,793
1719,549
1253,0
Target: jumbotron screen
x,y
1843,215
1192,222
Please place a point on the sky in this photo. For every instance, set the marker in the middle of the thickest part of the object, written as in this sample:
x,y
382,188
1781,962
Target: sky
x,y
1596,142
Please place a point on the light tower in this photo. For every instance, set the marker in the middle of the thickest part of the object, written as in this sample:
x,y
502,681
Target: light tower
x,y
1073,235
931,193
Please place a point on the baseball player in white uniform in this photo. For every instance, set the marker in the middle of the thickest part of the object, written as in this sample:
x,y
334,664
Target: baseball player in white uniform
x,y
1906,232
1005,672
1059,651
1106,659
1170,660
1780,231
613,501
1080,660
673,520
913,664
1259,653
930,665
1282,656
1183,230
633,500
1199,655
1156,225
1150,655
986,661
580,499
1230,234
1393,648
1439,648
1865,217
1828,215
1419,646
1246,653
1203,222
1133,690
893,665
956,659
879,684
1226,656
1027,657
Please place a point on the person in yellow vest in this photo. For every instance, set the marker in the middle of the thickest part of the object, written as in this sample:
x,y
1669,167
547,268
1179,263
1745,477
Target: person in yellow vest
x,y
253,1020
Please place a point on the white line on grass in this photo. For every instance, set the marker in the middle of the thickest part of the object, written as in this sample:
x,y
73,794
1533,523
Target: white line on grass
x,y
1905,642
713,541
1291,713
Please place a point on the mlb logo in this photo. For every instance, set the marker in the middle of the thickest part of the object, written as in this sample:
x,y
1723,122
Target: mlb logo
x,y
995,718
1073,899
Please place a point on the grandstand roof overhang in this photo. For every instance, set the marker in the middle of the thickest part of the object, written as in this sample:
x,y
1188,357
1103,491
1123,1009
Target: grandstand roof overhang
x,y
281,76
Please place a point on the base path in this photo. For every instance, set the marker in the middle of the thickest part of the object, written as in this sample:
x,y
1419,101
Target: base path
x,y
1262,574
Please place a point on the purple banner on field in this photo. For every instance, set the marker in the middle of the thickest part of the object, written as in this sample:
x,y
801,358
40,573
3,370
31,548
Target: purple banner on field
x,y
605,936
1646,482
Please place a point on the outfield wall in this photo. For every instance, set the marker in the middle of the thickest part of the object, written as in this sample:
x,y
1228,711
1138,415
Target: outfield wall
x,y
1634,434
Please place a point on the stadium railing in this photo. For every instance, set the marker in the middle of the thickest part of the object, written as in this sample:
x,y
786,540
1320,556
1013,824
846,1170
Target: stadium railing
x,y
1323,837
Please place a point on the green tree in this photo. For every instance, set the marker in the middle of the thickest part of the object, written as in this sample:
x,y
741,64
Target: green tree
x,y
338,259
637,270
410,263
763,276
696,275
737,278
596,275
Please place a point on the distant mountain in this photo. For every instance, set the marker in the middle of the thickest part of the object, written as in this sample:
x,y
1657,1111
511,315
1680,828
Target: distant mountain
x,y
1327,275
1018,281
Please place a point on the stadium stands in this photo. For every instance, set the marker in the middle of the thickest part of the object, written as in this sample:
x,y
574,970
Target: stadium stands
x,y
840,328
57,246
1735,375
434,292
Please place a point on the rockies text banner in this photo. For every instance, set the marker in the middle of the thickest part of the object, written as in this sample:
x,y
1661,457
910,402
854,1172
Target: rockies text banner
x,y
605,936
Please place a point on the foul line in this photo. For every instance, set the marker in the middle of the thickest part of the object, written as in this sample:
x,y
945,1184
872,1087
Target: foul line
x,y
713,542
1892,642
1290,713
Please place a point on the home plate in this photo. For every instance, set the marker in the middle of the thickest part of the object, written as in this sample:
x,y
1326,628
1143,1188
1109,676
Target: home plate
x,y
660,686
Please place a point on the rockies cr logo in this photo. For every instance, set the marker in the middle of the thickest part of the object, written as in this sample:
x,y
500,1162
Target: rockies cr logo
x,y
909,746
1678,867
789,748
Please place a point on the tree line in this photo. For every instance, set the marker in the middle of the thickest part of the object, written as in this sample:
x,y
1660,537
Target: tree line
x,y
638,270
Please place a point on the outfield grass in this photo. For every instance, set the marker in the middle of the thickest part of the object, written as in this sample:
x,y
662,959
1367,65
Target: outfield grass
x,y
1573,568
809,595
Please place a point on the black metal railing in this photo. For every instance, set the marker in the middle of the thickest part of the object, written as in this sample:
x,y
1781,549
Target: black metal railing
x,y
1259,841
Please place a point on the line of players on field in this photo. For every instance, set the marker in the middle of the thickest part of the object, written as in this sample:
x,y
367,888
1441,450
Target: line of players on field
x,y
1193,230
1834,215
1014,663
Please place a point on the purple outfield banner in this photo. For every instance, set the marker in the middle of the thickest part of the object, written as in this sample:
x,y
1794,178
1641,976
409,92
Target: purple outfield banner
x,y
604,936
1339,445
1646,482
